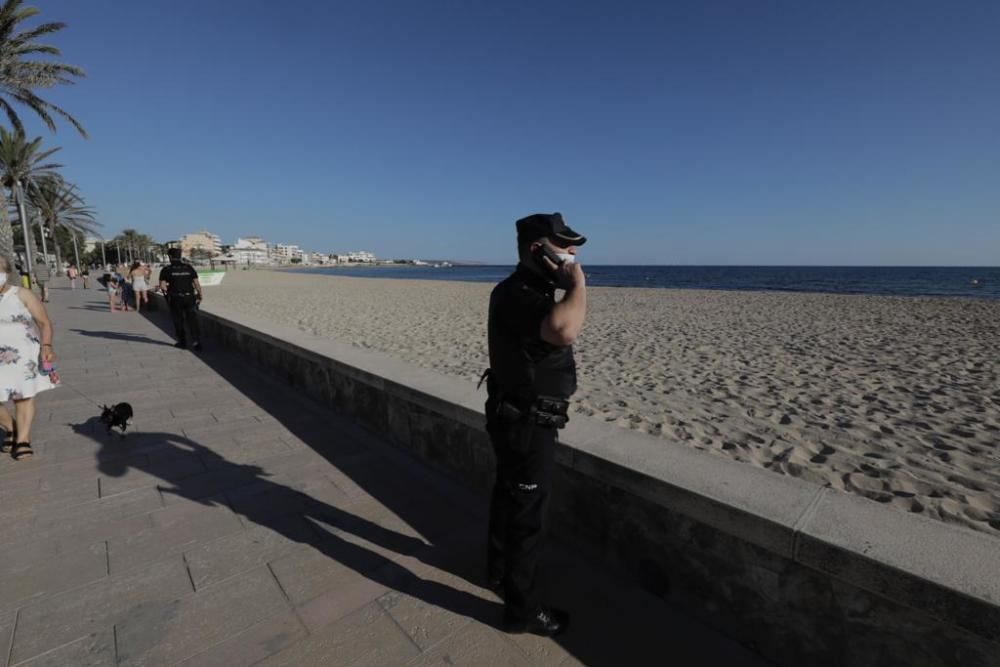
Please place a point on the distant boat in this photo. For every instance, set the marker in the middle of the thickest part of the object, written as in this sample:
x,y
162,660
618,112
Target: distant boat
x,y
976,282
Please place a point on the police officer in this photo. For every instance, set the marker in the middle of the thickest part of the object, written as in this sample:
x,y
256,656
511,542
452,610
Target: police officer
x,y
532,375
179,281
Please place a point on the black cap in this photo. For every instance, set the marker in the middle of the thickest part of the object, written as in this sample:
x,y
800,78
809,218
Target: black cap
x,y
547,225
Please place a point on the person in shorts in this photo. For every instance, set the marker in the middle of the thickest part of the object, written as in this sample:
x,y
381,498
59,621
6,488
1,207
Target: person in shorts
x,y
43,274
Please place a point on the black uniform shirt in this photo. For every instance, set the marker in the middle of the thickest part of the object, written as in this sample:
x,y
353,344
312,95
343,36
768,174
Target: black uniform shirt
x,y
180,278
523,364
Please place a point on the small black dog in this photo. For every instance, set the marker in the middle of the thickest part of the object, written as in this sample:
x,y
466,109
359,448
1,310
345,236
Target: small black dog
x,y
117,415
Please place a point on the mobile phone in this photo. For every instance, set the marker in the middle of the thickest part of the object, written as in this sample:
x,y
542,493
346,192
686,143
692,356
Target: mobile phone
x,y
544,252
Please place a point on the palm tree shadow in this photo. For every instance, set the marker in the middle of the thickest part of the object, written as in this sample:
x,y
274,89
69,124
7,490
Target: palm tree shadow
x,y
247,490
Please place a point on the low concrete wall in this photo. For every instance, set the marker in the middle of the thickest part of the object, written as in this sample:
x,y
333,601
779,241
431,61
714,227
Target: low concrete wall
x,y
803,574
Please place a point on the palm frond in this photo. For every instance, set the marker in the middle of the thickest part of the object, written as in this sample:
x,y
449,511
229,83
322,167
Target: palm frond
x,y
37,31
20,77
11,115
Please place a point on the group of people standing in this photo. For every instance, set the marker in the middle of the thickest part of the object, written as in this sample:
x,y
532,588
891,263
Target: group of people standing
x,y
127,285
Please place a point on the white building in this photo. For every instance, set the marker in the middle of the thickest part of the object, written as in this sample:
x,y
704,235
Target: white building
x,y
250,250
359,257
284,254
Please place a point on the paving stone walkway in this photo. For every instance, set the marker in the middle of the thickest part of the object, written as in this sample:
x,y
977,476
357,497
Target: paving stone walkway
x,y
238,523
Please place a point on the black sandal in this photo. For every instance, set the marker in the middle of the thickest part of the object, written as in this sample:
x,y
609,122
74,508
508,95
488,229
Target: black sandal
x,y
8,440
22,450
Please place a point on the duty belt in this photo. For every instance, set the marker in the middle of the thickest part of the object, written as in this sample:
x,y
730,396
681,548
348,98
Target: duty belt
x,y
548,411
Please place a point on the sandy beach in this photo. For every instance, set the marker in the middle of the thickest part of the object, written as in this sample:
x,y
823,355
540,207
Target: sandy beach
x,y
895,399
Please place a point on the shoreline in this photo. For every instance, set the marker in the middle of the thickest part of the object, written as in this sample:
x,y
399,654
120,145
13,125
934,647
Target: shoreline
x,y
625,276
890,397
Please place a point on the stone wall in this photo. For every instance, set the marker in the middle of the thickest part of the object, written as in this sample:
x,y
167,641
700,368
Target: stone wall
x,y
803,574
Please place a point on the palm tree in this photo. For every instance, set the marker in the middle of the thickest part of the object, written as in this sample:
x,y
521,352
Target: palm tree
x,y
21,163
134,242
20,78
61,207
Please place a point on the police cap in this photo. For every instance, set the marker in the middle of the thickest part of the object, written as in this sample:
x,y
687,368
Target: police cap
x,y
547,225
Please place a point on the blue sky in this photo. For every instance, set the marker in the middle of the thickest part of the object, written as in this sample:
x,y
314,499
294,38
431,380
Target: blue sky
x,y
700,132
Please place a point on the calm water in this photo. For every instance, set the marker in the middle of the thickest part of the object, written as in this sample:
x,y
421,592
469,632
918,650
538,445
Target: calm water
x,y
899,281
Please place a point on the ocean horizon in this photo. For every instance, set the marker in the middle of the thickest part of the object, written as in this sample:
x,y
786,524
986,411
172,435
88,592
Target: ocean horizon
x,y
968,282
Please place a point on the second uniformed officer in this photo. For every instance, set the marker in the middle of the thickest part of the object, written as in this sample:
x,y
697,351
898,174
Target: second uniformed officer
x,y
532,375
179,281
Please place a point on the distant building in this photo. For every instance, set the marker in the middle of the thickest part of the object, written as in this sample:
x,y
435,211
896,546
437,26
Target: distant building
x,y
250,250
359,257
203,240
284,254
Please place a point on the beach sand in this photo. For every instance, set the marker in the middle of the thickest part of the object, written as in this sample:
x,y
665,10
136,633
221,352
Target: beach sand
x,y
894,399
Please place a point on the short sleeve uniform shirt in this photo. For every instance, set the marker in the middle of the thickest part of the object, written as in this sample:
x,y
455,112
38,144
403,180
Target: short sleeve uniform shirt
x,y
524,365
180,278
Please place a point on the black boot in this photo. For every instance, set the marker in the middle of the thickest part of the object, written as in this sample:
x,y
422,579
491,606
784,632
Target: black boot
x,y
546,622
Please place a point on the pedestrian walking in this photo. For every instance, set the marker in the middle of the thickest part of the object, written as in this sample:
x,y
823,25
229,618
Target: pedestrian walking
x,y
26,358
140,287
114,293
43,274
71,274
179,282
531,378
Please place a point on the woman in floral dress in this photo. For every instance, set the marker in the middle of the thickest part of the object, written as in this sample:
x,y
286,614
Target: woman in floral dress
x,y
25,351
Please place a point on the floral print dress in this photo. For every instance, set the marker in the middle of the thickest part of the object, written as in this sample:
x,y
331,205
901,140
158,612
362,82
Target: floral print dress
x,y
20,375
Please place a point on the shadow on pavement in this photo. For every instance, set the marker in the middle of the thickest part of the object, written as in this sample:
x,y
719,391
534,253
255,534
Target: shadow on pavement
x,y
117,335
599,633
247,491
93,307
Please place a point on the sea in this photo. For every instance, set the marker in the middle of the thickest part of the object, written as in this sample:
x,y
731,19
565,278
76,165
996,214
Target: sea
x,y
893,281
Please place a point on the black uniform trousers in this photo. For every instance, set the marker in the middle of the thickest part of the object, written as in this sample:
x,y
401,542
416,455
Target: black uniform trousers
x,y
184,309
524,453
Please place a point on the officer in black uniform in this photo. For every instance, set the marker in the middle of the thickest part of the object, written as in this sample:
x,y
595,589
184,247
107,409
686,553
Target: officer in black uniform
x,y
531,378
179,281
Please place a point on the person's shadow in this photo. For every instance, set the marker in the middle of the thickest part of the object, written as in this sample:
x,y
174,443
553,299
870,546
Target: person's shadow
x,y
117,335
283,509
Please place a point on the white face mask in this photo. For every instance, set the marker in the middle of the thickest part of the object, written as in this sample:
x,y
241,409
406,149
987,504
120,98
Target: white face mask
x,y
3,279
566,257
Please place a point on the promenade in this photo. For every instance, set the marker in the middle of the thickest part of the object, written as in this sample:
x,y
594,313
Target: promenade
x,y
239,523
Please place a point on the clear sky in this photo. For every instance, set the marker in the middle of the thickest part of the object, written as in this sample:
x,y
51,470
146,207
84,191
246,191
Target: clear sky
x,y
681,132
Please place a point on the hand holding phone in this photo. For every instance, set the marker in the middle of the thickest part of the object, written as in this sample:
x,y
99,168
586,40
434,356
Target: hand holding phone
x,y
566,275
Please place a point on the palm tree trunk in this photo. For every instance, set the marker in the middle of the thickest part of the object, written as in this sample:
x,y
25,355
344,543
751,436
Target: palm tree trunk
x,y
6,231
19,198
